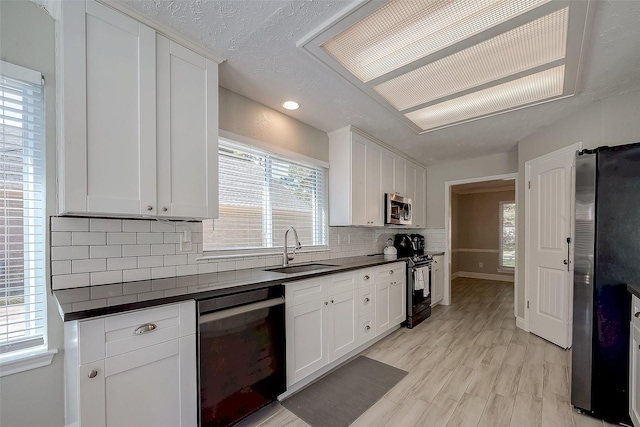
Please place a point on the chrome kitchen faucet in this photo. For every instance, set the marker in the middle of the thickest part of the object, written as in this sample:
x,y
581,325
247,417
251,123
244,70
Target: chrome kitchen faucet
x,y
285,255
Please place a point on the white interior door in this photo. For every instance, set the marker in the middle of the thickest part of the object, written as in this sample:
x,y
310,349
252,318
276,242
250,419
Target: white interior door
x,y
548,267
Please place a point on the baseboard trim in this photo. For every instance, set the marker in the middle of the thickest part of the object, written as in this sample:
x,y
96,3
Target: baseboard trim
x,y
455,275
520,323
485,276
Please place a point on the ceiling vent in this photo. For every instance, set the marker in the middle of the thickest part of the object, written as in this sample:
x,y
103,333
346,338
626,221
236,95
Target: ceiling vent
x,y
438,63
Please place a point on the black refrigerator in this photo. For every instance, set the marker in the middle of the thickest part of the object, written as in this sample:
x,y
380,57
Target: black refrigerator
x,y
607,250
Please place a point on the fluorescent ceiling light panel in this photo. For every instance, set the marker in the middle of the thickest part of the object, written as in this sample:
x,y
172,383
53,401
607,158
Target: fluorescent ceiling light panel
x,y
527,90
404,31
531,45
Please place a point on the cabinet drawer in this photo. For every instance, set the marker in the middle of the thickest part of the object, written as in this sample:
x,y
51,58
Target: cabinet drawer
x,y
635,311
365,299
364,277
114,335
366,329
342,282
304,291
396,269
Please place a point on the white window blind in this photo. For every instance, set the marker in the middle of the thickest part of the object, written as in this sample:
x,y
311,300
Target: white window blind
x,y
507,235
261,195
22,225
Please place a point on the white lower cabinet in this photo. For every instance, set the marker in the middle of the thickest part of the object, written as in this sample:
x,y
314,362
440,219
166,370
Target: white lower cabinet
x,y
391,296
634,363
134,369
330,316
437,279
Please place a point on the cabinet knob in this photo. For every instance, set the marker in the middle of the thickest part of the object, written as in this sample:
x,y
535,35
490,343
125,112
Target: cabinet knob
x,y
143,329
366,328
367,300
331,301
164,209
326,303
93,374
390,271
637,315
149,207
366,277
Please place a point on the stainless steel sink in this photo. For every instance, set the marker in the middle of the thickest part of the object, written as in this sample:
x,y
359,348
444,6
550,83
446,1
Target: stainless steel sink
x,y
300,268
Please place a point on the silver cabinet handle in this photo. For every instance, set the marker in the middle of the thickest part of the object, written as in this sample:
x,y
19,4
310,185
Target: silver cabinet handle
x,y
366,328
331,301
164,209
93,374
367,300
366,277
149,207
143,329
637,315
390,271
326,303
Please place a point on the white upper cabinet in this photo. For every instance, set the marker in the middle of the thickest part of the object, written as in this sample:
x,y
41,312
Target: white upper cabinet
x,y
399,173
187,156
355,193
132,107
419,205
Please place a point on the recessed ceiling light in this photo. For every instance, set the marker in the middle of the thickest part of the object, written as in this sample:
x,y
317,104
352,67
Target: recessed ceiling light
x,y
291,105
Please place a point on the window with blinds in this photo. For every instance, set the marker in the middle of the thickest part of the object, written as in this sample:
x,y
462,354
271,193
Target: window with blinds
x,y
261,195
22,225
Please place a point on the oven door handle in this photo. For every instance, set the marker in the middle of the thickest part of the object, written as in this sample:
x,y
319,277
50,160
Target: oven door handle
x,y
217,315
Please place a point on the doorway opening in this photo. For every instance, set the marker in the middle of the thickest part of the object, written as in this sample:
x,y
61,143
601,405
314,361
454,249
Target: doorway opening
x,y
481,230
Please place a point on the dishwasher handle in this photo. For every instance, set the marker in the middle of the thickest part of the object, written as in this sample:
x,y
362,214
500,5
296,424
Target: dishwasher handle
x,y
217,315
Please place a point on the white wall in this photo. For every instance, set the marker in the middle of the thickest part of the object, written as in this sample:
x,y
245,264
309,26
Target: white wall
x,y
437,176
612,121
35,397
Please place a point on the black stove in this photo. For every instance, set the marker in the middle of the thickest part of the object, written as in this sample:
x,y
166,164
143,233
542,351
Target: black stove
x,y
418,289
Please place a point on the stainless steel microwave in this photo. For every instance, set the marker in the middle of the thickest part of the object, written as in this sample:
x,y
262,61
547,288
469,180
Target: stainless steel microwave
x,y
397,209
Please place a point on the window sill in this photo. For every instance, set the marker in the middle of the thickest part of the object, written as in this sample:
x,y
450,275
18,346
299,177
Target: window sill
x,y
24,361
506,270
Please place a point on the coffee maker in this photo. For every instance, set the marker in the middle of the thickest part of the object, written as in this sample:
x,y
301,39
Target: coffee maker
x,y
409,245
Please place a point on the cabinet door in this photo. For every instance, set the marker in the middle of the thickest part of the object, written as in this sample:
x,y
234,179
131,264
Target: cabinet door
x,y
306,341
358,180
342,333
387,174
153,386
383,322
634,377
410,181
397,301
106,156
374,195
418,214
399,171
437,276
187,151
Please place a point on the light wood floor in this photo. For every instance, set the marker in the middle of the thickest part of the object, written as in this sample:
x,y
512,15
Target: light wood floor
x,y
468,365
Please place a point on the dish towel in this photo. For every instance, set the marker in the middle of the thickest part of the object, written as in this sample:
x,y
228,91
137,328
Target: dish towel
x,y
421,280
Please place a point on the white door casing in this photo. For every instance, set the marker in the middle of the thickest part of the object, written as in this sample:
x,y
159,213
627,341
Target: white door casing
x,y
548,262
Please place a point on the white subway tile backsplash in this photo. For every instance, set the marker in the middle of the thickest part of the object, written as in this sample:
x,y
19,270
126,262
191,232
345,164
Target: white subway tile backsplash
x,y
172,237
150,261
135,275
61,238
163,249
162,226
88,265
226,265
65,281
104,277
149,238
211,267
186,270
162,272
121,238
62,223
60,267
126,263
88,238
243,264
101,224
175,259
136,226
61,253
113,251
136,250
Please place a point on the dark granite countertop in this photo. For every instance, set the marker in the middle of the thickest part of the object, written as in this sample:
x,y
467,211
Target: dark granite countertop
x,y
634,290
93,301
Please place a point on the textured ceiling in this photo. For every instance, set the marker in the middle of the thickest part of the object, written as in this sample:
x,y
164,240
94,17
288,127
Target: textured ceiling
x,y
258,40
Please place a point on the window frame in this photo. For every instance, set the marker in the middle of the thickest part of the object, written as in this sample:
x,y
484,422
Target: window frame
x,y
284,155
33,356
501,267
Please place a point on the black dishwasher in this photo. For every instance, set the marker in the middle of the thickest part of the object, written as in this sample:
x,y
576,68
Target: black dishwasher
x,y
241,354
